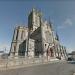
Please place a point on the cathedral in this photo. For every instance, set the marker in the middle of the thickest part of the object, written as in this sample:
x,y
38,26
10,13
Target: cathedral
x,y
38,39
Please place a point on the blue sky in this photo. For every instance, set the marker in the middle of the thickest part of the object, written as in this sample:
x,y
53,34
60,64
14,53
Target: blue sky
x,y
61,13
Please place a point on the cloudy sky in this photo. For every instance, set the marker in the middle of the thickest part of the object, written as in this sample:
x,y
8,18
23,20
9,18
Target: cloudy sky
x,y
61,13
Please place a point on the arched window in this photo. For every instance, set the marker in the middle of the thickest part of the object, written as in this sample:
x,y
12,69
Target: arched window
x,y
14,50
22,34
45,45
17,35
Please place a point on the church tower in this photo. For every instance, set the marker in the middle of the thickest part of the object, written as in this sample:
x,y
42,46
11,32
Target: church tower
x,y
20,34
33,28
34,20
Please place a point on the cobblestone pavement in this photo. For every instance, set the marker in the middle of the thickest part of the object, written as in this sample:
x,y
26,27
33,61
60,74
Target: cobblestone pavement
x,y
61,68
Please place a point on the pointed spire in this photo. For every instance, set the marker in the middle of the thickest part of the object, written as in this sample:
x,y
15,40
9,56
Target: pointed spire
x,y
51,25
33,9
57,37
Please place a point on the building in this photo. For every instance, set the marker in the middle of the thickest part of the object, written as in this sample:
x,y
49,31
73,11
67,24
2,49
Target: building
x,y
20,35
38,39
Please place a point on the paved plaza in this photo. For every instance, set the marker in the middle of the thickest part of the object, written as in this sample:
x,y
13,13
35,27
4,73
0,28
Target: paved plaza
x,y
61,68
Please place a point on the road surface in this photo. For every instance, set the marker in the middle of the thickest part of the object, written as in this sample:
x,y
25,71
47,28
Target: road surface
x,y
61,68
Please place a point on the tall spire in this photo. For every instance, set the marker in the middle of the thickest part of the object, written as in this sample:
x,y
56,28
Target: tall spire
x,y
33,9
57,37
51,25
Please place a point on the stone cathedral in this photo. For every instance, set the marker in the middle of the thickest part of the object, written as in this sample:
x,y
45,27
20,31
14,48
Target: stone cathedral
x,y
38,39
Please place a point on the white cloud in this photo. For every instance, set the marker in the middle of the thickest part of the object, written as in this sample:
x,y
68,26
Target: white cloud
x,y
69,50
61,27
4,46
68,22
65,24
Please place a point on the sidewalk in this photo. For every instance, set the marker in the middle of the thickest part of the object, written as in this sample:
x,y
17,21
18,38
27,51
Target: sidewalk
x,y
25,64
73,73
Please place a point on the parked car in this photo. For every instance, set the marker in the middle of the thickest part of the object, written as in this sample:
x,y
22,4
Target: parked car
x,y
69,59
